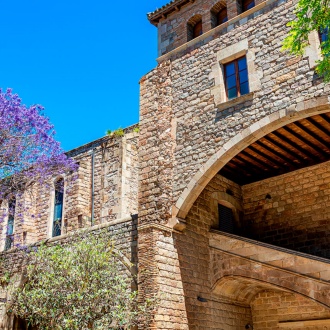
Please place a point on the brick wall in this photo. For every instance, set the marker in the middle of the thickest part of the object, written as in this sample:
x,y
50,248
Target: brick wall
x,y
297,214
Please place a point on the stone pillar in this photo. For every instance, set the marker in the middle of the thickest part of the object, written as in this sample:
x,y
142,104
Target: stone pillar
x,y
159,271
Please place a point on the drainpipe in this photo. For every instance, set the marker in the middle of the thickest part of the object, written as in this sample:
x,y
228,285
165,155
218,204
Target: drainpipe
x,y
93,169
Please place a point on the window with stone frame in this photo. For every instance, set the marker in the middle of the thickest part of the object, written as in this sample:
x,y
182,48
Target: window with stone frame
x,y
10,224
236,78
58,208
194,27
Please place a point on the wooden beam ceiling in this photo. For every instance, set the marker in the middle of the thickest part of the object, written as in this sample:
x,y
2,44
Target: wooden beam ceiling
x,y
303,143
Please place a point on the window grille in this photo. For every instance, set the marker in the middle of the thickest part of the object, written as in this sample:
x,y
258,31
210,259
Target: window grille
x,y
226,219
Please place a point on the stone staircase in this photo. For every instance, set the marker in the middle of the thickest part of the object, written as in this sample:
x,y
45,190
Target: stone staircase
x,y
258,266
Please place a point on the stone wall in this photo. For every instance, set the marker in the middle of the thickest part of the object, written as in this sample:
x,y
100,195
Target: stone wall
x,y
185,273
297,214
115,191
190,266
173,30
185,122
275,311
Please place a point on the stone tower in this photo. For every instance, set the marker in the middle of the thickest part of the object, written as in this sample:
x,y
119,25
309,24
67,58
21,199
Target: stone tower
x,y
234,207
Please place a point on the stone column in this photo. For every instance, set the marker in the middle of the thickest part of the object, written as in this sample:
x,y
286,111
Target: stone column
x,y
159,271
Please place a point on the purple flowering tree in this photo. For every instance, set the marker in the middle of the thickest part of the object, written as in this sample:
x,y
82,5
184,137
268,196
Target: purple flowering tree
x,y
29,154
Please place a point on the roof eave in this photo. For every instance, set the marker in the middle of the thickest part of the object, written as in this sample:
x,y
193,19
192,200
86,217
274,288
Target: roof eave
x,y
166,10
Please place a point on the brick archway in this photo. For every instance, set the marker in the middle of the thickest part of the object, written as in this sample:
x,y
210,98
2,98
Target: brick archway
x,y
235,145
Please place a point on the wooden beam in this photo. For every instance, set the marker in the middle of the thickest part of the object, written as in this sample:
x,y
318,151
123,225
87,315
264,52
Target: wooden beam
x,y
316,137
261,162
325,117
275,162
245,158
321,128
293,144
284,148
241,164
276,153
308,142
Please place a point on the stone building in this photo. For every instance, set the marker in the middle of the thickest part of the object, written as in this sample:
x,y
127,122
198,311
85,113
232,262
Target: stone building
x,y
234,171
102,196
230,174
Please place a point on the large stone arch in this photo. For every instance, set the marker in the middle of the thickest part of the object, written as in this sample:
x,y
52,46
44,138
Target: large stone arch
x,y
231,148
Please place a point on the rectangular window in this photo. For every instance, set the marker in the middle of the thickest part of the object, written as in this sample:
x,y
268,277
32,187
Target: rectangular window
x,y
58,208
236,78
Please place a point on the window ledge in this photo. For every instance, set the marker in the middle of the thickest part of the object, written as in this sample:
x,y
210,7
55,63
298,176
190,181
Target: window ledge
x,y
235,101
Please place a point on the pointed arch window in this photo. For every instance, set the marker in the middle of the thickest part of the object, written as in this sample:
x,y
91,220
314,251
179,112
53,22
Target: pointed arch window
x,y
10,225
58,207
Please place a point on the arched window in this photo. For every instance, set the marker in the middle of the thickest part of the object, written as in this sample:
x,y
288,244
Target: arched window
x,y
198,29
194,27
218,14
222,16
10,225
58,208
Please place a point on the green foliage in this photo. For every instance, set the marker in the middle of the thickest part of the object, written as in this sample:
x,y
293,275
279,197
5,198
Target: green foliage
x,y
136,129
116,133
312,15
119,132
81,285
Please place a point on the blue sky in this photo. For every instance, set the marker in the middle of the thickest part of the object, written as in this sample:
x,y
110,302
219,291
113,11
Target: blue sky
x,y
82,60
